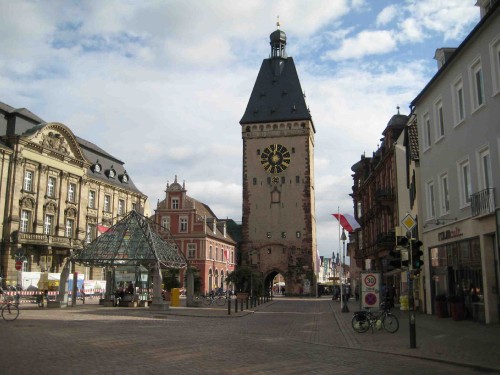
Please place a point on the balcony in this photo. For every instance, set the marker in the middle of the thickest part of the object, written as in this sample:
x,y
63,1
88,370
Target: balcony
x,y
483,202
47,240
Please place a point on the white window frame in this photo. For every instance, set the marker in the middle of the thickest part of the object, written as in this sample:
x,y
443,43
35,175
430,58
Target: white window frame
x,y
426,131
484,168
431,200
191,250
183,224
165,222
464,177
439,119
24,224
107,203
91,230
51,187
495,64
48,224
92,196
72,192
121,206
458,100
175,203
28,180
477,85
70,225
444,194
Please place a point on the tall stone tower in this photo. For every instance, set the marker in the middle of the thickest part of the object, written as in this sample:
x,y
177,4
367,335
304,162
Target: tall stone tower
x,y
279,224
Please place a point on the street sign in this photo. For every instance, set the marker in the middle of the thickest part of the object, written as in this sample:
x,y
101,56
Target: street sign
x,y
409,222
19,265
370,289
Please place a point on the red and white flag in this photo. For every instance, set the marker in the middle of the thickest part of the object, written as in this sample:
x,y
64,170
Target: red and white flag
x,y
102,228
348,222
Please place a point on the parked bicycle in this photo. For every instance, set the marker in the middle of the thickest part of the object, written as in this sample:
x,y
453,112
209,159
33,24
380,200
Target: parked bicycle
x,y
10,309
364,320
214,299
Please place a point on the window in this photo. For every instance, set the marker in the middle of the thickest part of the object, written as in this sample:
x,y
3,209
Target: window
x,y
175,203
47,225
70,224
431,212
134,206
444,194
477,86
28,181
495,64
91,199
458,101
91,231
216,253
427,132
465,183
165,222
191,250
121,206
71,192
210,252
485,169
107,203
25,221
183,224
439,119
51,187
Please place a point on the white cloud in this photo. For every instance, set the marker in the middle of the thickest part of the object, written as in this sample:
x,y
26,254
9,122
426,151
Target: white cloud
x,y
365,43
386,15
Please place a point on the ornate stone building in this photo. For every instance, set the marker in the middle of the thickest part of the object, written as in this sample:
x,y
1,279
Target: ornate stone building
x,y
279,223
202,237
57,190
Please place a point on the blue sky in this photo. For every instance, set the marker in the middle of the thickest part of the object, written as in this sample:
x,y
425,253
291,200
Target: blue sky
x,y
162,85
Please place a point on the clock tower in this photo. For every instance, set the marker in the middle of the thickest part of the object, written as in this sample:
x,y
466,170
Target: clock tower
x,y
279,224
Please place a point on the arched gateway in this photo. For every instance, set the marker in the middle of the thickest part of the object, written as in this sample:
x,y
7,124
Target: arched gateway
x,y
134,242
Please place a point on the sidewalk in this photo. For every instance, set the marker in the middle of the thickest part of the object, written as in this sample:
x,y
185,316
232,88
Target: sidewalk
x,y
463,342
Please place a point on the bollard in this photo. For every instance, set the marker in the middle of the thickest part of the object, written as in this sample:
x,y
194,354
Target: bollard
x,y
229,306
247,302
236,306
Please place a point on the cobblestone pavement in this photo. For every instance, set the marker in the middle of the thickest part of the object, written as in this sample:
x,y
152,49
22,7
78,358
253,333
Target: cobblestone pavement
x,y
284,336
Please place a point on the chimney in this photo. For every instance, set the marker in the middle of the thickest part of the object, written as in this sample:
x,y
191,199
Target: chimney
x,y
485,6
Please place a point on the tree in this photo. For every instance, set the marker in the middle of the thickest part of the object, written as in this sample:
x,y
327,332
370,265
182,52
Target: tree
x,y
246,280
171,278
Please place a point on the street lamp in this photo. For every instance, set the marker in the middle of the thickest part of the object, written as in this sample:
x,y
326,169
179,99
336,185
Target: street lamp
x,y
344,303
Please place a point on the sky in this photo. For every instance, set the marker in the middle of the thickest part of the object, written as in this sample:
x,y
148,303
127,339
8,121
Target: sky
x,y
162,85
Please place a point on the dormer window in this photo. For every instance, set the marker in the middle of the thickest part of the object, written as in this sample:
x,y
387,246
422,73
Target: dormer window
x,y
124,178
111,172
97,167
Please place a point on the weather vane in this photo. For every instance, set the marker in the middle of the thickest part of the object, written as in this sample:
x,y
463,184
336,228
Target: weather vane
x,y
278,22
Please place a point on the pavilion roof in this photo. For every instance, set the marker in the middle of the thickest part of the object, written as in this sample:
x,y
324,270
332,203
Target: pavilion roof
x,y
134,240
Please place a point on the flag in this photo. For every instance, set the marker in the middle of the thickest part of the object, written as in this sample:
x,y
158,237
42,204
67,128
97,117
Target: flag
x,y
348,222
102,228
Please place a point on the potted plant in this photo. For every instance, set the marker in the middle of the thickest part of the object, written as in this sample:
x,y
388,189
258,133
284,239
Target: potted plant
x,y
457,307
441,306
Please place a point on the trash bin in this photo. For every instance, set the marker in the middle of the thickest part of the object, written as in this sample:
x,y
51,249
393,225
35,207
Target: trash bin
x,y
175,297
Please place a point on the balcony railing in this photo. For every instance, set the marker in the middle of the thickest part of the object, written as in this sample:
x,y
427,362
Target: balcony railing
x,y
483,202
45,239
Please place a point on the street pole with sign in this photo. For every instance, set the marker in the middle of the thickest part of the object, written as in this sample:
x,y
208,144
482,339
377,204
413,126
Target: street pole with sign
x,y
409,223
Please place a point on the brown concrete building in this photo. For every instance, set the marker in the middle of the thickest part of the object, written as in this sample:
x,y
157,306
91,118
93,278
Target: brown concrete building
x,y
202,238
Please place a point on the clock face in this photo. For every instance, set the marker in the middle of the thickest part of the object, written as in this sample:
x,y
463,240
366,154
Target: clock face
x,y
275,158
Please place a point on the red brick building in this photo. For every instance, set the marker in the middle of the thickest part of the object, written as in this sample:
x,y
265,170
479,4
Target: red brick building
x,y
202,238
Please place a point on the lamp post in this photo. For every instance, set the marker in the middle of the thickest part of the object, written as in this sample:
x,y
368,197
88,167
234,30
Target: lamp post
x,y
344,303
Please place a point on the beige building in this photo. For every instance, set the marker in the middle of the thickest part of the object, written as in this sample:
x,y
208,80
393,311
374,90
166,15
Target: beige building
x,y
57,191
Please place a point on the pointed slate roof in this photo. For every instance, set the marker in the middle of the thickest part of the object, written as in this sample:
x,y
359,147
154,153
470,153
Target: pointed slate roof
x,y
134,240
276,97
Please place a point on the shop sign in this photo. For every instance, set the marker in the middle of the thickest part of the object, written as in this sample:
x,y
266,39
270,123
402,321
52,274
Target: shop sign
x,y
450,233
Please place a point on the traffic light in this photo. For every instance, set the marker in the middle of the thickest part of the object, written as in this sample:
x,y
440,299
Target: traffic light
x,y
395,259
403,245
417,254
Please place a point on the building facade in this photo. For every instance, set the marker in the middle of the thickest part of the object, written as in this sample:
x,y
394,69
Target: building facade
x,y
56,190
458,116
279,224
202,238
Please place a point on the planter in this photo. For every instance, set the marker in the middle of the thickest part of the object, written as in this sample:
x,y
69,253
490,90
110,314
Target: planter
x,y
457,310
441,309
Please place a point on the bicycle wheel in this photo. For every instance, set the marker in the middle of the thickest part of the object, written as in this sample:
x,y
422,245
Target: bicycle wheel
x,y
221,301
360,323
10,312
207,301
390,323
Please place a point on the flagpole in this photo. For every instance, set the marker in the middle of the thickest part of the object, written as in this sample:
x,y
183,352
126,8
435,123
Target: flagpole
x,y
341,267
